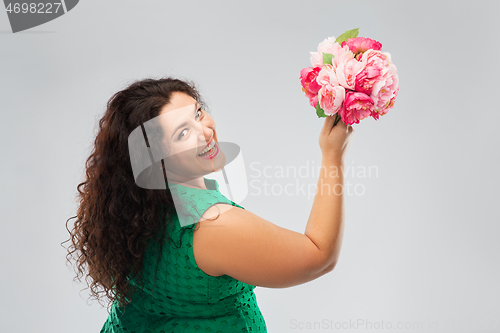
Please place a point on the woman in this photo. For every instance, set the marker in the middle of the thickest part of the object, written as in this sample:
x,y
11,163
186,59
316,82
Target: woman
x,y
186,258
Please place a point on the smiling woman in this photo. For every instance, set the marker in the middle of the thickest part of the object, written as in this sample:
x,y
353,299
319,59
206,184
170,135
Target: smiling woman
x,y
186,258
190,140
130,239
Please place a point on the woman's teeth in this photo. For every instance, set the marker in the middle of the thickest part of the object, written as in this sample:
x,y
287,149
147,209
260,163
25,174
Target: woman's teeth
x,y
207,149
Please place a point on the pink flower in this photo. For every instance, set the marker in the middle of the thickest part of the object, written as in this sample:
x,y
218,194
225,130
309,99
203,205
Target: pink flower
x,y
314,101
347,71
391,104
385,91
376,63
328,45
345,66
343,57
316,59
309,84
377,59
327,76
393,99
357,106
366,78
341,54
361,44
331,98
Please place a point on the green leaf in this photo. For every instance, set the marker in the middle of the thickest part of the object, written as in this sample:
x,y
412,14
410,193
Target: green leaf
x,y
319,111
327,58
346,35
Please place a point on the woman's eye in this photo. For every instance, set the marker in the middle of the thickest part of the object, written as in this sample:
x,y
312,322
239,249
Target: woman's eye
x,y
198,115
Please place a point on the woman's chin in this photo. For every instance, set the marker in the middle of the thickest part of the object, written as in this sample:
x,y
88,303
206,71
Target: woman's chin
x,y
214,164
219,162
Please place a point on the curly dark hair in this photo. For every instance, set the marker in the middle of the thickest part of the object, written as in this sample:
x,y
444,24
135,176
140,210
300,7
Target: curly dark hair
x,y
115,218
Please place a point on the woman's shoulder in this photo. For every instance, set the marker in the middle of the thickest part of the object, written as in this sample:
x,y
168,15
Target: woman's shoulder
x,y
217,209
193,204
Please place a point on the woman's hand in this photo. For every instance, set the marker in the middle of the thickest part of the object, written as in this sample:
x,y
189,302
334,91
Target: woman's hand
x,y
334,141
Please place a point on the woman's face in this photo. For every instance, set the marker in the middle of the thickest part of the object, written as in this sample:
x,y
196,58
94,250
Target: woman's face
x,y
188,131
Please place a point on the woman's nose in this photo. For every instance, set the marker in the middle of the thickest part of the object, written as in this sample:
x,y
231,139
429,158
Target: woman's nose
x,y
206,135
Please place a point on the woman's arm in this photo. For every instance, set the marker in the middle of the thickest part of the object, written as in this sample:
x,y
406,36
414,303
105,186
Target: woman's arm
x,y
255,251
326,221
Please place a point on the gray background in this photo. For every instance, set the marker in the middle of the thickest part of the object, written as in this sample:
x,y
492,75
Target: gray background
x,y
421,243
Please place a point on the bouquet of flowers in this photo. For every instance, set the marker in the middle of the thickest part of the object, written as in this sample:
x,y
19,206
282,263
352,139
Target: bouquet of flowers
x,y
351,78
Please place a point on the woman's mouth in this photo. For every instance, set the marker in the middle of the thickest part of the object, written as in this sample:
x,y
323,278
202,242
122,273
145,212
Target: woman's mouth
x,y
210,151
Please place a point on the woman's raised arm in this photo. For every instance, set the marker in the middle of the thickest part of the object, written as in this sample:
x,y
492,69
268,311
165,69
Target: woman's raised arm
x,y
255,251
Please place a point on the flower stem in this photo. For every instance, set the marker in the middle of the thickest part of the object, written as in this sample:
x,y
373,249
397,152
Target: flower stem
x,y
338,117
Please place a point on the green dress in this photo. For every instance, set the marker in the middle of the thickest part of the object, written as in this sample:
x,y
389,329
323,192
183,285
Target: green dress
x,y
184,298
